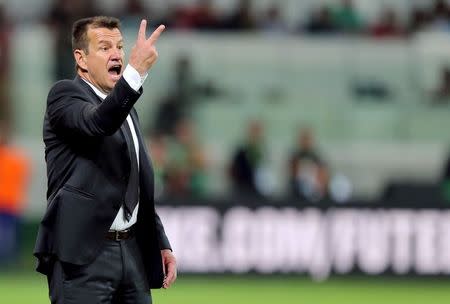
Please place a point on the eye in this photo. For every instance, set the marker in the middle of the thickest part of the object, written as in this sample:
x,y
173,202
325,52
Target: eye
x,y
120,47
103,48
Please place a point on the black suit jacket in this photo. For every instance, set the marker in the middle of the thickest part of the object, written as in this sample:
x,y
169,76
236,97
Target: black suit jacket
x,y
88,167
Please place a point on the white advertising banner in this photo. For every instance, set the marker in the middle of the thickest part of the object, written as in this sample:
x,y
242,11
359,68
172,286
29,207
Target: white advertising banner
x,y
313,241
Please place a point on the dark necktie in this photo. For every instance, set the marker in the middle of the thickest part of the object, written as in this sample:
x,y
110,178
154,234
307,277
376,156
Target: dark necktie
x,y
132,194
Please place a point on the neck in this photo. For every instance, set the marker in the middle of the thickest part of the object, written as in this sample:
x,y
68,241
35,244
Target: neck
x,y
86,76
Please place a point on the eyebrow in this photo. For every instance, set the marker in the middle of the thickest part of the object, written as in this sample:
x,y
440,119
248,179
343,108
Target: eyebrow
x,y
104,42
109,42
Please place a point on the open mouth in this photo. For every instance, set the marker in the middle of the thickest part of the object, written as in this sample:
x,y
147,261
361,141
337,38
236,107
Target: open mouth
x,y
115,70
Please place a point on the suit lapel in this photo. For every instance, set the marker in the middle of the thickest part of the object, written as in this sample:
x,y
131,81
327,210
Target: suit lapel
x,y
94,97
145,166
97,100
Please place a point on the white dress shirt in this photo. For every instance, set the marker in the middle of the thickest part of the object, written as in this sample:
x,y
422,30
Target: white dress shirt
x,y
134,79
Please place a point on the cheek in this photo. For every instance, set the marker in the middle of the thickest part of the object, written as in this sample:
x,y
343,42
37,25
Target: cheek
x,y
98,62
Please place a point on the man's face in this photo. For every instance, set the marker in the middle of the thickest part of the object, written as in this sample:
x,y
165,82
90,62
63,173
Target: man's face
x,y
104,60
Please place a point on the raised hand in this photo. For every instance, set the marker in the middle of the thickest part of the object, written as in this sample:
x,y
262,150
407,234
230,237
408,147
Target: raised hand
x,y
143,54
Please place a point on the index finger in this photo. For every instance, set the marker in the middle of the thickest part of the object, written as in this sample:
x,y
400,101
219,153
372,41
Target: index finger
x,y
170,277
155,35
142,29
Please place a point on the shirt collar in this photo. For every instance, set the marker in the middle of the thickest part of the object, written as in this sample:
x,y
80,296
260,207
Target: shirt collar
x,y
97,91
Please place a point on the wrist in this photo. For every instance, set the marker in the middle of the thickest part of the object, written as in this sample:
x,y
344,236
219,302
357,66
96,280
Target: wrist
x,y
141,72
133,78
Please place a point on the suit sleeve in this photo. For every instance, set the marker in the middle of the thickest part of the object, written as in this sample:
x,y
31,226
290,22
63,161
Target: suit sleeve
x,y
69,111
161,234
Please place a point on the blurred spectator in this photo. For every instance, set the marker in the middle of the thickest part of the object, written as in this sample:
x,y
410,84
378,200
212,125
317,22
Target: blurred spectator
x,y
445,185
419,19
185,92
308,173
321,22
179,18
63,14
441,16
241,18
200,16
442,93
273,21
204,16
248,163
174,107
186,163
387,26
5,77
14,175
157,145
133,13
347,18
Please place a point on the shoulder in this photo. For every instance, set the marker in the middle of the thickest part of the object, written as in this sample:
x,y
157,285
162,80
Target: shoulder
x,y
66,87
65,84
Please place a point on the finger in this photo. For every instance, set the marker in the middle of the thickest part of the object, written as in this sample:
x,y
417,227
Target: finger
x,y
155,35
171,274
170,278
142,29
165,281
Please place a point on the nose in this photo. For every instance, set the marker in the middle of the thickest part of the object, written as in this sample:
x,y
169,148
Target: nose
x,y
116,54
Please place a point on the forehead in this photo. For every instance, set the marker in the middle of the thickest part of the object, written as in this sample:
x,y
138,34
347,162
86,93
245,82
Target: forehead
x,y
96,35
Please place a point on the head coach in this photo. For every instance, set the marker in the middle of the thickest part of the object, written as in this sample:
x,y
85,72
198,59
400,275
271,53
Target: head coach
x,y
100,240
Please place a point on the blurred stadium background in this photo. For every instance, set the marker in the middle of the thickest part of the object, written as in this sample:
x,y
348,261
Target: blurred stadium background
x,y
301,147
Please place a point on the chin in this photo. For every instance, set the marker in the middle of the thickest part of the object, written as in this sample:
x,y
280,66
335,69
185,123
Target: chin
x,y
113,83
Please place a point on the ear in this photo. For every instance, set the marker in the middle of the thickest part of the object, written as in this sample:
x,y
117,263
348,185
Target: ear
x,y
80,58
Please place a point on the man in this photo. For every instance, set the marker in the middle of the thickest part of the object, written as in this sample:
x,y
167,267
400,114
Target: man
x,y
100,240
308,172
14,178
248,163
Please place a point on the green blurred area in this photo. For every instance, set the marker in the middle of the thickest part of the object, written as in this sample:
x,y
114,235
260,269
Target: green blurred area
x,y
18,284
31,288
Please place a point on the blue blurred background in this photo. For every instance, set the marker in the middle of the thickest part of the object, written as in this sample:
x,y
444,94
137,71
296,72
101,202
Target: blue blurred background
x,y
316,133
